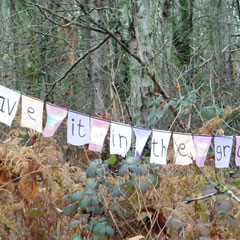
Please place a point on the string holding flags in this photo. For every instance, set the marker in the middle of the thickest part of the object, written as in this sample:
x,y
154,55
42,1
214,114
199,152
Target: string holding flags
x,y
83,129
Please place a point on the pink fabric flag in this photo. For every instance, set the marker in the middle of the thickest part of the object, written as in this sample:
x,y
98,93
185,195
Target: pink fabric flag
x,y
142,136
223,151
55,116
201,146
98,132
237,154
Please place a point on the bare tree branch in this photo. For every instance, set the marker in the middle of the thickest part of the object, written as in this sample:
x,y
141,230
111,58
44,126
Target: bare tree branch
x,y
74,65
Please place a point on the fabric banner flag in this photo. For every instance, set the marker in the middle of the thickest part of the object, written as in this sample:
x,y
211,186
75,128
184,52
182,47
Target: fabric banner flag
x,y
183,148
237,154
78,129
55,116
223,151
32,113
159,146
120,138
98,132
9,101
201,146
142,136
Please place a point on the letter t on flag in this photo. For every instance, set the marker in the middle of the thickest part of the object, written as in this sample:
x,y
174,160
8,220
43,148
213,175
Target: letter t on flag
x,y
142,136
98,132
55,116
78,128
160,142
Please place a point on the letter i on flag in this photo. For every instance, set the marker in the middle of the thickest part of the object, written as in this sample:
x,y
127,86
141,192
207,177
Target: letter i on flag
x,y
142,136
78,129
223,151
98,132
9,101
160,142
184,149
120,138
237,154
55,116
32,113
201,146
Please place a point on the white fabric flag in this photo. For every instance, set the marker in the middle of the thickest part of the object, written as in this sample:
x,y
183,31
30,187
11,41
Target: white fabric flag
x,y
142,136
9,101
32,113
184,149
223,151
78,132
159,146
120,138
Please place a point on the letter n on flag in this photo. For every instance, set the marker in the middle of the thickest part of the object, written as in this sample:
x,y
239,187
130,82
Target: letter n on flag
x,y
55,116
98,132
120,138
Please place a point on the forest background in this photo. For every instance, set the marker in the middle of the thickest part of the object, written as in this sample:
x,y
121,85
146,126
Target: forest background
x,y
169,65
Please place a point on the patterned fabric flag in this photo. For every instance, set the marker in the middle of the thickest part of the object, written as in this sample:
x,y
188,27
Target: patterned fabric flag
x,y
120,138
201,146
160,142
98,132
9,101
55,116
237,154
223,151
78,129
32,113
184,149
142,136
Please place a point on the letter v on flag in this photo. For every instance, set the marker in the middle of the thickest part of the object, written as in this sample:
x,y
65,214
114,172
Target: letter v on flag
x,y
9,101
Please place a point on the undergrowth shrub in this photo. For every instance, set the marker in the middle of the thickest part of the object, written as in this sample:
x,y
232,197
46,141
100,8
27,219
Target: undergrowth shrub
x,y
43,197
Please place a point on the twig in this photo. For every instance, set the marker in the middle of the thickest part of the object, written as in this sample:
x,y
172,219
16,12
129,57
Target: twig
x,y
202,197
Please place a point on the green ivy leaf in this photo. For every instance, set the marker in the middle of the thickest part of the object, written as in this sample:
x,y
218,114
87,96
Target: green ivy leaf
x,y
74,223
70,209
109,230
123,169
112,160
154,179
76,196
86,202
76,237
